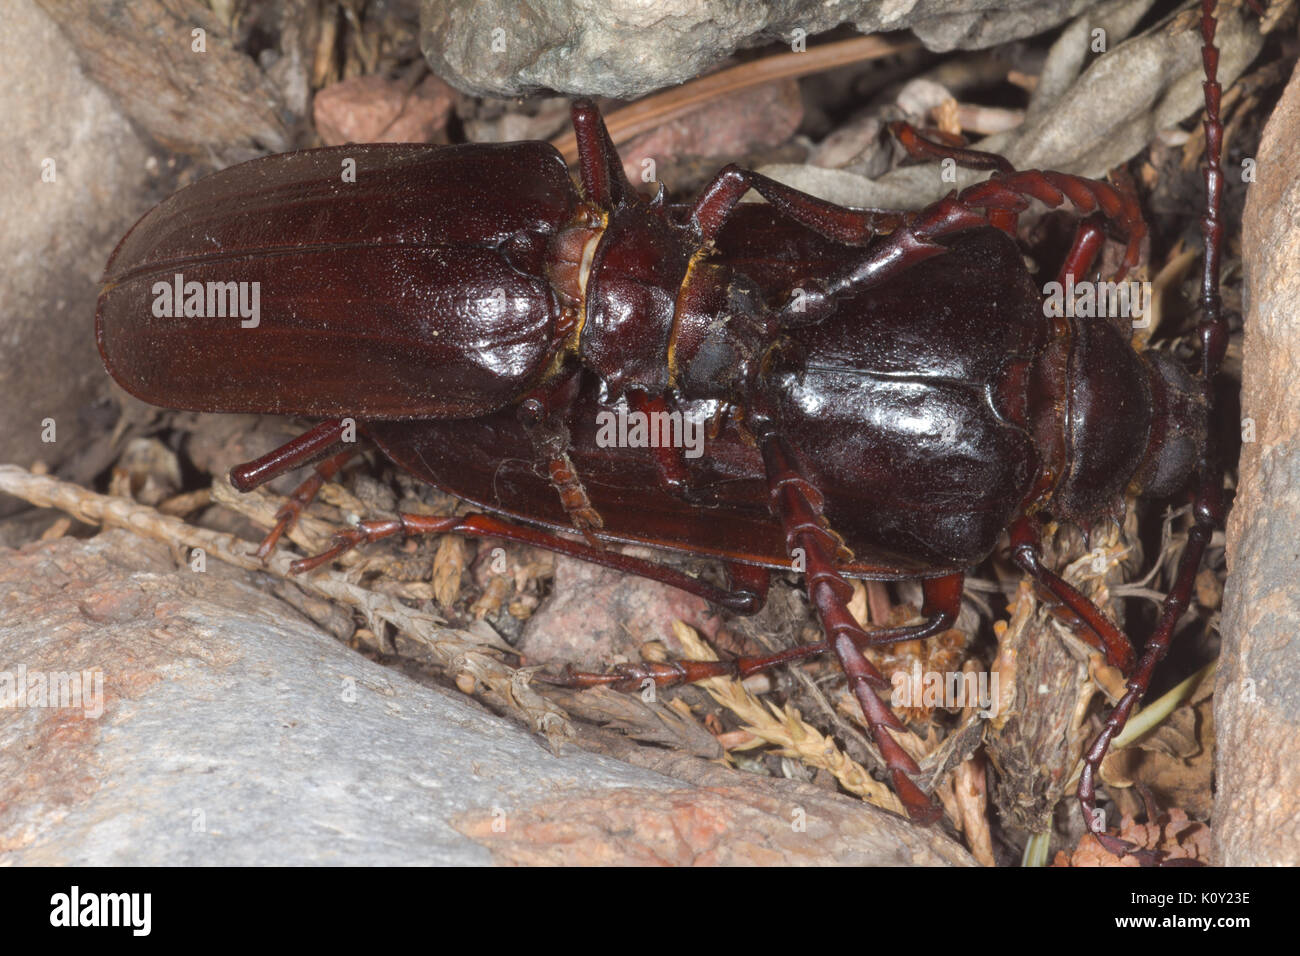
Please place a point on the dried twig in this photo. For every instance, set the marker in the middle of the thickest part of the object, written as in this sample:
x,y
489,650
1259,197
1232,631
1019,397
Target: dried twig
x,y
664,107
785,729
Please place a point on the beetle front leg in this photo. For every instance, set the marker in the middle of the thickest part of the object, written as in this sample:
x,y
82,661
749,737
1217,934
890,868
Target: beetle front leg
x,y
799,506
550,440
603,181
841,223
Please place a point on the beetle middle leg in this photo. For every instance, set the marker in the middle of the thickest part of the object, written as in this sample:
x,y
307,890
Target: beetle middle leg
x,y
301,498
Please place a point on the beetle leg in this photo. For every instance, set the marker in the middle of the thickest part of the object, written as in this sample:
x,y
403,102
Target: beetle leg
x,y
1086,618
749,579
573,496
1083,250
1049,187
1208,512
301,499
959,212
632,676
670,459
550,440
741,601
799,506
922,148
308,447
1014,190
720,196
603,181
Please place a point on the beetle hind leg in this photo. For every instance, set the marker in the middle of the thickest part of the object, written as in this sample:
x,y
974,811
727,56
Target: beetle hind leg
x,y
310,446
744,599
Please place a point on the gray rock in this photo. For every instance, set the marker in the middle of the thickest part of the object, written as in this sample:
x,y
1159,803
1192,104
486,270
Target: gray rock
x,y
57,234
1257,696
627,48
234,732
231,731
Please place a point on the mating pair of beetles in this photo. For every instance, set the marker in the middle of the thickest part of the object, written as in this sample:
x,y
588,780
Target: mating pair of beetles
x,y
885,395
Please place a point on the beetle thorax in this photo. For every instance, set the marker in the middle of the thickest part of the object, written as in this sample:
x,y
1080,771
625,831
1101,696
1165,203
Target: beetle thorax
x,y
655,312
630,299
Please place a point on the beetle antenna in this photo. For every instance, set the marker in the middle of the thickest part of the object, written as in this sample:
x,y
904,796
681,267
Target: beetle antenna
x,y
1208,505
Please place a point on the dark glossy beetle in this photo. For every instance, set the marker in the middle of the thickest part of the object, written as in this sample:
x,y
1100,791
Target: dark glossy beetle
x,y
884,392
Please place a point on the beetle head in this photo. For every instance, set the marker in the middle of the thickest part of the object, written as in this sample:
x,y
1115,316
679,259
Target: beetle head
x,y
1178,428
1129,424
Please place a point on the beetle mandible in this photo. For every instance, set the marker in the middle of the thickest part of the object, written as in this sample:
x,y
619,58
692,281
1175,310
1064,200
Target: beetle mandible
x,y
884,392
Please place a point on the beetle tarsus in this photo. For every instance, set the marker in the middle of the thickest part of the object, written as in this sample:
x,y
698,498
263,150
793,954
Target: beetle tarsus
x,y
923,148
298,502
366,532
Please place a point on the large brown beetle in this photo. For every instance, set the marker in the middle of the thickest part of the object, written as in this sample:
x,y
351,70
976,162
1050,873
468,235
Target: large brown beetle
x,y
886,395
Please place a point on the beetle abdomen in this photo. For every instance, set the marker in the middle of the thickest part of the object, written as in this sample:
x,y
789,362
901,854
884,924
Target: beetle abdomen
x,y
379,281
